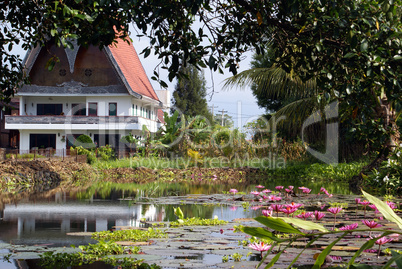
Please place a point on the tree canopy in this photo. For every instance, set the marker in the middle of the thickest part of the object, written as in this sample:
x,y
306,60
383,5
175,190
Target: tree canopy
x,y
190,92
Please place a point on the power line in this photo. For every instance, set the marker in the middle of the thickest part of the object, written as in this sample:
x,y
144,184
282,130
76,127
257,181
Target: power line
x,y
223,111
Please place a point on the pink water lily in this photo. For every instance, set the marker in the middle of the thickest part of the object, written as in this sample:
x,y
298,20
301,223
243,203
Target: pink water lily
x,y
255,192
380,242
349,227
335,211
267,212
260,187
371,224
288,210
391,205
266,191
279,188
322,189
290,187
277,208
294,205
364,203
234,191
318,215
306,190
260,247
304,215
274,198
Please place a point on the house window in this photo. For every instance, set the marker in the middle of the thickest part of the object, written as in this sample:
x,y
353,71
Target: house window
x,y
92,109
49,109
78,109
112,109
136,110
132,110
42,140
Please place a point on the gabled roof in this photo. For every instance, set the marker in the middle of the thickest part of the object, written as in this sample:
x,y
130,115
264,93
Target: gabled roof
x,y
131,68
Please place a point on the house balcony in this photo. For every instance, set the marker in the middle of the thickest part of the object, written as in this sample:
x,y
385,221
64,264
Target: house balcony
x,y
74,122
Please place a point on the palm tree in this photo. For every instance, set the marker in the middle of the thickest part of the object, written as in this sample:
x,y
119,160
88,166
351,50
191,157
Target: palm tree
x,y
300,98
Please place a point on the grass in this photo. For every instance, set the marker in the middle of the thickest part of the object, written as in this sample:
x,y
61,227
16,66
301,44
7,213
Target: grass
x,y
312,171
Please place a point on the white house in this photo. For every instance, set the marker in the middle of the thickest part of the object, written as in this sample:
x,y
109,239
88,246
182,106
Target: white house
x,y
102,93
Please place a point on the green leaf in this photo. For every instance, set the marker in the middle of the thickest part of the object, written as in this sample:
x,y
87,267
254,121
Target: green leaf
x,y
178,213
321,258
306,225
307,246
278,225
364,45
365,246
398,261
349,55
276,257
261,233
396,257
385,210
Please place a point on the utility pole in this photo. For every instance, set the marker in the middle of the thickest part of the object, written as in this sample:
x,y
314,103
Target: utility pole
x,y
223,111
213,115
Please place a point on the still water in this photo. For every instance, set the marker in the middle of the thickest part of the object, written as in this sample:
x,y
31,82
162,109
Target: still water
x,y
48,220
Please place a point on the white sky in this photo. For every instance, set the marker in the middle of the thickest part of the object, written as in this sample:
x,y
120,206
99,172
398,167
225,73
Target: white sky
x,y
240,104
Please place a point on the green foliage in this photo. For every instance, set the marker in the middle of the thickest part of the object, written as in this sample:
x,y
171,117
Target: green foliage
x,y
84,141
91,156
387,179
190,92
196,222
106,152
24,156
129,235
283,225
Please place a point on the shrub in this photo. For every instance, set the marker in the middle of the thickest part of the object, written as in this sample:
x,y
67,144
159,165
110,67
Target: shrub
x,y
84,141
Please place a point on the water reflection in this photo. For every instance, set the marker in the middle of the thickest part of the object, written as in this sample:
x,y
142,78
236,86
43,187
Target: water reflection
x,y
105,206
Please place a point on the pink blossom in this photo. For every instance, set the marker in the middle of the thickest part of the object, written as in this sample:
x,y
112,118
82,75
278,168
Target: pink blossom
x,y
274,198
357,200
371,224
279,188
234,191
306,190
373,207
233,208
349,227
334,210
365,203
290,187
267,212
294,205
255,192
288,190
304,215
266,191
260,246
255,207
391,205
322,189
302,188
383,240
221,231
259,187
318,215
277,208
288,210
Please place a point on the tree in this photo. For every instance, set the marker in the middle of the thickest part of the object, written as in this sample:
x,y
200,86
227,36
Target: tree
x,y
189,94
351,48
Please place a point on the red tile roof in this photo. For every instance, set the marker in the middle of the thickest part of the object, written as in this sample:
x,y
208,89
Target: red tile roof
x,y
132,69
160,116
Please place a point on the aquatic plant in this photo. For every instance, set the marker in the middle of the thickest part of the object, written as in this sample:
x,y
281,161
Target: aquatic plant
x,y
290,226
261,247
197,222
335,211
349,227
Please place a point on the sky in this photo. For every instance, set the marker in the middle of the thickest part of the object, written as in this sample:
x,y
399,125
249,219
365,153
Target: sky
x,y
240,104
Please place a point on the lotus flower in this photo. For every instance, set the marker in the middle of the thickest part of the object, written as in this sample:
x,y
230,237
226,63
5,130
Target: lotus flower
x,y
294,205
260,247
391,205
335,211
288,210
364,204
318,215
371,224
279,188
304,215
255,192
380,242
266,191
260,187
234,191
349,227
306,190
277,208
274,198
322,189
267,212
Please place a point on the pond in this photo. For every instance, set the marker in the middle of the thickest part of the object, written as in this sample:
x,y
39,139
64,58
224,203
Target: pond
x,y
50,220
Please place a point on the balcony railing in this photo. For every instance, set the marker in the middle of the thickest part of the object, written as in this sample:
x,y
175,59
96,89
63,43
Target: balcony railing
x,y
70,119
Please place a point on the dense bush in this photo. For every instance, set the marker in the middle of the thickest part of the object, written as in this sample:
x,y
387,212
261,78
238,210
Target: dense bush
x,y
84,141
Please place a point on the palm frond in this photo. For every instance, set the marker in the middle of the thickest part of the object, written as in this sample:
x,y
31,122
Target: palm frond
x,y
274,83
